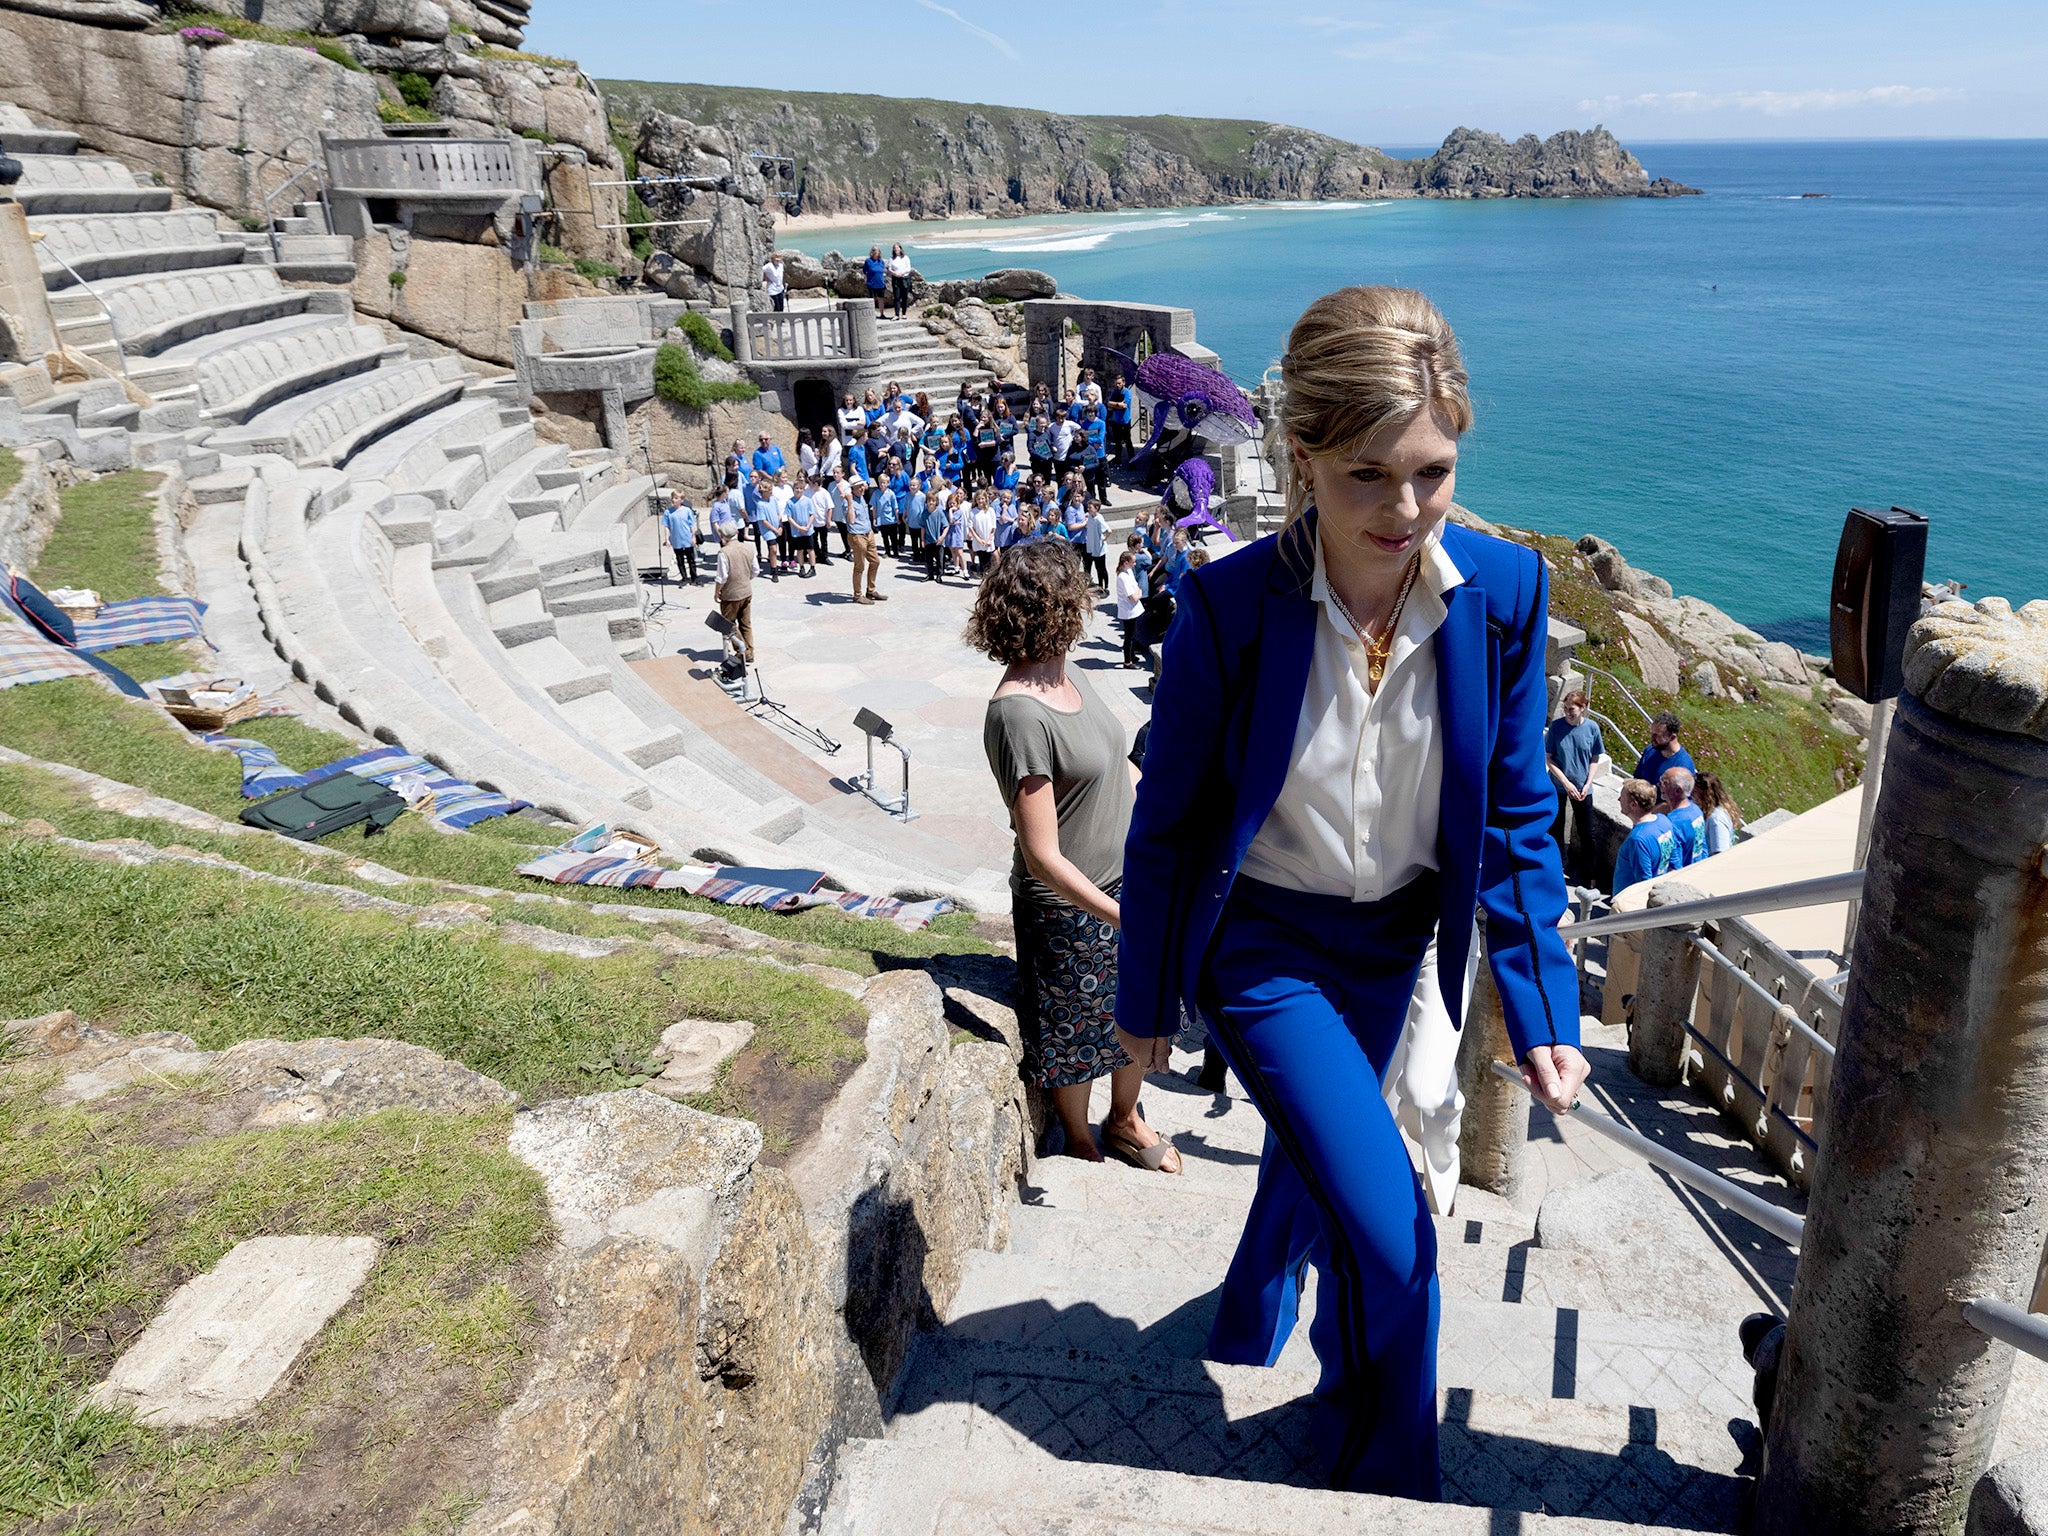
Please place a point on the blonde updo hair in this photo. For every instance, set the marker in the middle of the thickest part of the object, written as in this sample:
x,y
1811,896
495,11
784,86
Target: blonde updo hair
x,y
1358,360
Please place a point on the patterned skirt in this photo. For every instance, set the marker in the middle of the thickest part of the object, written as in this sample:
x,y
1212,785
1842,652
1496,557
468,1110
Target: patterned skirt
x,y
1066,993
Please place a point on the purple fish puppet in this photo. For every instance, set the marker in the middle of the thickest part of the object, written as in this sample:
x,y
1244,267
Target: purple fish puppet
x,y
1188,493
1192,405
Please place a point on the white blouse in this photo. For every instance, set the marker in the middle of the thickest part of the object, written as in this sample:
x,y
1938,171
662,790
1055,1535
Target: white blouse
x,y
1357,815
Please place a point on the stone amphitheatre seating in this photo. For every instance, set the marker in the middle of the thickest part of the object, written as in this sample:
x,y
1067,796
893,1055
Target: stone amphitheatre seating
x,y
157,310
388,527
97,245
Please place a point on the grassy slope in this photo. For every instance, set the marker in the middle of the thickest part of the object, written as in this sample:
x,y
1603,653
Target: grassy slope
x,y
1214,145
113,1206
10,470
1777,750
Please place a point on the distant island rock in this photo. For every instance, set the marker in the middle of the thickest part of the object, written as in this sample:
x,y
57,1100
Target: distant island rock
x,y
936,159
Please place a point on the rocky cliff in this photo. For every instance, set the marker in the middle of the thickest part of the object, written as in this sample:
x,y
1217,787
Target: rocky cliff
x,y
933,159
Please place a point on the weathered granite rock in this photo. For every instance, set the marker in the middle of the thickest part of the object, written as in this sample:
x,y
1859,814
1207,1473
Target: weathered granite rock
x,y
96,1062
298,1082
1568,164
687,1372
879,1181
461,295
1020,283
2011,1499
206,120
1654,657
690,1051
1984,661
225,1340
332,18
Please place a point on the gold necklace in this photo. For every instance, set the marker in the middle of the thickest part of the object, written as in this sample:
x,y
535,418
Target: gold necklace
x,y
1379,650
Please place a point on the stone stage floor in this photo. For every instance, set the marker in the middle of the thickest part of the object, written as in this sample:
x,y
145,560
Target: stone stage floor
x,y
824,657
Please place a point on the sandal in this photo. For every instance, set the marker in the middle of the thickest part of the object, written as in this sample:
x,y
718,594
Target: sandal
x,y
1152,1159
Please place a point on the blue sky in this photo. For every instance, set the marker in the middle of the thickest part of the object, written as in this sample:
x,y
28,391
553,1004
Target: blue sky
x,y
1379,73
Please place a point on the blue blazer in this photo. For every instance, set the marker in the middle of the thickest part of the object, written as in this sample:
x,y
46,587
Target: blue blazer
x,y
1223,723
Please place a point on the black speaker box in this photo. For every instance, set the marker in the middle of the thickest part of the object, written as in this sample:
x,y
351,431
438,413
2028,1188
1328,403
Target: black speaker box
x,y
1878,571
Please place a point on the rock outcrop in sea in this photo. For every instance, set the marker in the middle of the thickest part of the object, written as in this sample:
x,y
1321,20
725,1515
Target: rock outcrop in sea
x,y
936,159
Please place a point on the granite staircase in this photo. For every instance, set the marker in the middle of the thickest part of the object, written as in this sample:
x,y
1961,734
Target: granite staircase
x,y
379,521
915,359
1064,1392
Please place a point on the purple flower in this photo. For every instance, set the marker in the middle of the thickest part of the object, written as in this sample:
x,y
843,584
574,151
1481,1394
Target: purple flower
x,y
204,37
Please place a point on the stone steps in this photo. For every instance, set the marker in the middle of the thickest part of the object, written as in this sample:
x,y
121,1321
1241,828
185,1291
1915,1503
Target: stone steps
x,y
328,425
156,310
238,382
887,1489
69,183
107,245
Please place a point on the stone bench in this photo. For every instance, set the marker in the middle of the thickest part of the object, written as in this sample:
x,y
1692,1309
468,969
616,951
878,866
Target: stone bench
x,y
332,433
326,432
100,245
238,383
161,311
84,184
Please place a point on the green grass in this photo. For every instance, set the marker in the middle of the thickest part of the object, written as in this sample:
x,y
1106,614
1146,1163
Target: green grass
x,y
106,538
637,211
414,88
248,31
224,960
10,470
678,381
110,1208
704,335
399,112
516,56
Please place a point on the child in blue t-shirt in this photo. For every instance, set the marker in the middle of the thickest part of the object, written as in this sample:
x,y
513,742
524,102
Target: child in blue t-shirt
x,y
1651,848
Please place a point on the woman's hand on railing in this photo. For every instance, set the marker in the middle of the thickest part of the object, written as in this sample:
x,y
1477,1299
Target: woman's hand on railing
x,y
1554,1074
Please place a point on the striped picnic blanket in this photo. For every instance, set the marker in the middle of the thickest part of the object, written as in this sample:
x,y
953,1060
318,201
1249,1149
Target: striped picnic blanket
x,y
441,798
140,621
570,865
26,657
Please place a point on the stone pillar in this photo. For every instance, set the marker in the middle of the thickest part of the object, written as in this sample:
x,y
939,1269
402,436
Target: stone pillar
x,y
742,347
1493,1138
1931,1187
867,327
612,419
1667,980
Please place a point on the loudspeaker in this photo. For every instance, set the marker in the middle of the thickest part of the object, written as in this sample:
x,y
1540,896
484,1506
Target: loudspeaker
x,y
1878,571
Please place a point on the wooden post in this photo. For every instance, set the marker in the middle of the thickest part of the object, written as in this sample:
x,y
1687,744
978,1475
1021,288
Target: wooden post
x,y
1931,1187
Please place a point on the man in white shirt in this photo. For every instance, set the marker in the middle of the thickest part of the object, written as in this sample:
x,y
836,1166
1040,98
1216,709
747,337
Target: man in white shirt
x,y
772,279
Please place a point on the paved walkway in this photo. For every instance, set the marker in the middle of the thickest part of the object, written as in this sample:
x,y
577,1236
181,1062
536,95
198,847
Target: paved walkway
x,y
824,657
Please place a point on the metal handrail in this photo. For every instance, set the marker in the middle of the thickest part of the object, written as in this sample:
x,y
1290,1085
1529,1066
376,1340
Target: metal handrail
x,y
2008,1324
113,325
1619,734
1822,891
1781,1224
317,163
1587,666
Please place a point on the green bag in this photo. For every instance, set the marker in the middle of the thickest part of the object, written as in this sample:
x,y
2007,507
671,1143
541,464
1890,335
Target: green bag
x,y
311,813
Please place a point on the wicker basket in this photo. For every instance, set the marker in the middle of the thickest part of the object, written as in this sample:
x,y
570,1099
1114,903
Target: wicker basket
x,y
195,717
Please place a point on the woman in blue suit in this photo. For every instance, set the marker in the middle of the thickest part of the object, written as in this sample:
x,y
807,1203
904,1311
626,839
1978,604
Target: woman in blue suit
x,y
1346,758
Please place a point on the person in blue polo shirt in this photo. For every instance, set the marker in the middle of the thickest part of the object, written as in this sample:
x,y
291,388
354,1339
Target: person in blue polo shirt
x,y
679,523
768,458
1571,745
1664,751
1650,849
1688,824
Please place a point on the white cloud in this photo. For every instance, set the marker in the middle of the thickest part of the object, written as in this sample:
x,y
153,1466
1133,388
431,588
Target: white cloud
x,y
1000,44
1773,103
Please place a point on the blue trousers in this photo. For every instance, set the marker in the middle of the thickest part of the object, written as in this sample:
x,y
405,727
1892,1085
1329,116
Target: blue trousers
x,y
1307,996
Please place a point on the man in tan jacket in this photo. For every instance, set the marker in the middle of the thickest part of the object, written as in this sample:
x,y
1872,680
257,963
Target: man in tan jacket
x,y
734,593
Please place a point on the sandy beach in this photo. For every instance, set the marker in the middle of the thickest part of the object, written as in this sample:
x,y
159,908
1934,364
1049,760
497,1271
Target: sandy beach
x,y
803,223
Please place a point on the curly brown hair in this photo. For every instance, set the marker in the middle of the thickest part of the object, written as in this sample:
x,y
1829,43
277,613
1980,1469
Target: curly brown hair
x,y
1032,607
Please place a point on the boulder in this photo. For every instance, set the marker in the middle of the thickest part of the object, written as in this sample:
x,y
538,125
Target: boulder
x,y
1019,283
1654,656
298,1082
691,1050
421,19
1782,663
2011,1499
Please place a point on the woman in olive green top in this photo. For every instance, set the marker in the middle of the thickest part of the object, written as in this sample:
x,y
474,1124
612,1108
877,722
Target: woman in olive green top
x,y
1058,755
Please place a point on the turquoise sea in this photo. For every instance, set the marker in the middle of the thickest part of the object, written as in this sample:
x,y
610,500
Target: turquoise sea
x,y
1709,382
